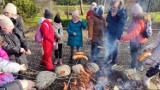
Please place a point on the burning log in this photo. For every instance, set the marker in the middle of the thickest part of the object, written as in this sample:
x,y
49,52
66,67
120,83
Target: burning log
x,y
63,70
143,56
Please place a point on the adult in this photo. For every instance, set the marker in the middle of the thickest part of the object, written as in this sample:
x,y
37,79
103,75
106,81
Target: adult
x,y
116,19
135,36
15,46
91,11
10,10
48,40
96,24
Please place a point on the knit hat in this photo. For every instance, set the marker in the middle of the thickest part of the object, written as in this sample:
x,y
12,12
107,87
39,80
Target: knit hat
x,y
41,20
75,13
11,8
47,14
100,10
136,9
5,22
57,19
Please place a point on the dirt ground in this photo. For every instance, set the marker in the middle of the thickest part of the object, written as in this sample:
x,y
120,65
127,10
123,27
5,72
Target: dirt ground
x,y
123,57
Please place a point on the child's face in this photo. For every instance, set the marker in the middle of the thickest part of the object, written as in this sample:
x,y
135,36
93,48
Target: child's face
x,y
75,18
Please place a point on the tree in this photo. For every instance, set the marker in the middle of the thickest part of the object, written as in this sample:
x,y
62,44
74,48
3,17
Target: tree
x,y
81,7
26,8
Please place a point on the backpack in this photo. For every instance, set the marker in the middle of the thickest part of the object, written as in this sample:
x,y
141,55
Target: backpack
x,y
38,34
148,27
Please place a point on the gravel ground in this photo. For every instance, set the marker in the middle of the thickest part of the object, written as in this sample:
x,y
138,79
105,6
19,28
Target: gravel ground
x,y
123,57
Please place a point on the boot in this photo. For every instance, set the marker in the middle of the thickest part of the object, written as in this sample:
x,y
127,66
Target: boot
x,y
60,61
56,62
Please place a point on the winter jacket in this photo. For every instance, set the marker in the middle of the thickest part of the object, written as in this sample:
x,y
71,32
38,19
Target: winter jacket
x,y
18,24
5,77
89,13
75,28
47,31
58,29
95,28
15,85
154,47
3,54
135,30
116,23
6,66
14,42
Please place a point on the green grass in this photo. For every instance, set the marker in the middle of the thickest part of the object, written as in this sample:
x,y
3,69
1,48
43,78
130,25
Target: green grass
x,y
63,8
156,17
57,8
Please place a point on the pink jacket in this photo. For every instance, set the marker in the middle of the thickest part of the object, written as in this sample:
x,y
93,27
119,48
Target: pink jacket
x,y
3,54
5,77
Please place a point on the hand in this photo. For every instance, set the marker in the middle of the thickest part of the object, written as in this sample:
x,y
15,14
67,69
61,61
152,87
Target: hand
x,y
23,67
74,34
28,52
22,50
117,41
27,84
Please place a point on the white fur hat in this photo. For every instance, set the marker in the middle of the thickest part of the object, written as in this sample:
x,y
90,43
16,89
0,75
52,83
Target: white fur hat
x,y
136,9
5,21
94,4
11,8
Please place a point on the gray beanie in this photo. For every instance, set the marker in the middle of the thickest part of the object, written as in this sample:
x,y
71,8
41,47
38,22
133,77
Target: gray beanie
x,y
100,10
136,9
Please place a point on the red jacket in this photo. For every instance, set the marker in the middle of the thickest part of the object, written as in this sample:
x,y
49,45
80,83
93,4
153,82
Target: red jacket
x,y
47,31
134,31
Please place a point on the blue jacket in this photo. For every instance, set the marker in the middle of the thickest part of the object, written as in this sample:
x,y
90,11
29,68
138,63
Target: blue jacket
x,y
77,28
116,24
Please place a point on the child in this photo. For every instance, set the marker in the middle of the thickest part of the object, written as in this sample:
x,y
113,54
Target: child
x,y
5,77
59,32
74,29
48,40
153,61
12,67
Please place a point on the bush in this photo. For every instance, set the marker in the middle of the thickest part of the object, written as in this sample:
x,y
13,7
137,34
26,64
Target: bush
x,y
65,22
65,2
26,8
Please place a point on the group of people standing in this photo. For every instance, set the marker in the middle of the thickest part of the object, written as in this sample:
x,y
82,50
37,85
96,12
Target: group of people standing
x,y
103,32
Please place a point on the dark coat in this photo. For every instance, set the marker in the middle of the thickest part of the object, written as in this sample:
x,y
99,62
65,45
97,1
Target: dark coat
x,y
96,27
116,23
14,42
